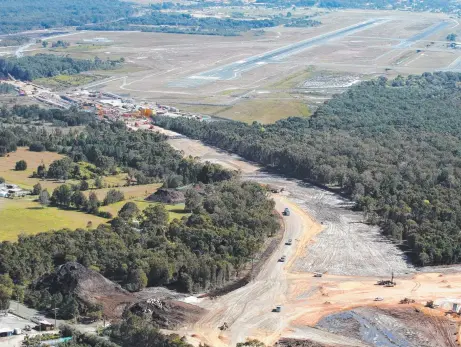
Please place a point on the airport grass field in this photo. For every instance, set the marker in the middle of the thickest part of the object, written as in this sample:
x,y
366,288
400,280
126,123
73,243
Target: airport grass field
x,y
232,77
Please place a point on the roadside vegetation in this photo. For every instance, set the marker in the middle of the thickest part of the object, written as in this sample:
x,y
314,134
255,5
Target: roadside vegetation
x,y
392,146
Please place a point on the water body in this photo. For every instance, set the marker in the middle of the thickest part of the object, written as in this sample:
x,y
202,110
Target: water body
x,y
233,70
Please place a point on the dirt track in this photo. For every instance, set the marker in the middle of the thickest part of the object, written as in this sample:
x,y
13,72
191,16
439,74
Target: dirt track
x,y
353,254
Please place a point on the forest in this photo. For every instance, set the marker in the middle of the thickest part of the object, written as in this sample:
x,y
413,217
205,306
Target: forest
x,y
228,224
17,16
32,113
146,156
230,221
49,65
157,21
393,146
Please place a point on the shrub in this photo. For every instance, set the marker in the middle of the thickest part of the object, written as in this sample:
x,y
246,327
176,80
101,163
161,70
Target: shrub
x,y
21,165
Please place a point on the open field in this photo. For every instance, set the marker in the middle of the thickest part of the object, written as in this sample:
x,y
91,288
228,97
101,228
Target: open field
x,y
33,159
131,192
175,211
23,216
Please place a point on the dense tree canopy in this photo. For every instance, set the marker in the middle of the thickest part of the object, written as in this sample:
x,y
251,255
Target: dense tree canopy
x,y
392,146
62,118
16,16
196,253
49,65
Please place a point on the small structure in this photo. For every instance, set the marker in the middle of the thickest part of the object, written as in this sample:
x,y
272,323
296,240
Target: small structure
x,y
5,332
42,324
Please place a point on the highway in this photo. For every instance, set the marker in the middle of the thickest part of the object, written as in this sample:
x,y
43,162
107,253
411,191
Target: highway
x,y
233,70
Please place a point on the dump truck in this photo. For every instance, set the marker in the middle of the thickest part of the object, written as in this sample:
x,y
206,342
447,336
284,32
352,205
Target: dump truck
x,y
289,242
286,211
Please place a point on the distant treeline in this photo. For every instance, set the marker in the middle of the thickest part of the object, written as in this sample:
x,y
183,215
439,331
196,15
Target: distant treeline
x,y
392,146
6,88
158,21
423,5
49,65
71,117
16,16
13,40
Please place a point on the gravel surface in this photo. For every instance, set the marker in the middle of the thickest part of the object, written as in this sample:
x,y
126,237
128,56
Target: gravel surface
x,y
346,246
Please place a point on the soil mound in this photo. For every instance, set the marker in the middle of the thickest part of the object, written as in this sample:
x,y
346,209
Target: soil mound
x,y
88,287
167,314
167,196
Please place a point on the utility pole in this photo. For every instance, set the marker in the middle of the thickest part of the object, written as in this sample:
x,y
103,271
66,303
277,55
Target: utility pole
x,y
55,313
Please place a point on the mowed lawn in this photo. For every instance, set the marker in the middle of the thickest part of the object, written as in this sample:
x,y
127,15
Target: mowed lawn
x,y
19,216
175,211
33,160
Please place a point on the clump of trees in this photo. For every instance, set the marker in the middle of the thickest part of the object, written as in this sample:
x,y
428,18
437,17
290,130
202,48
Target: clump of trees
x,y
391,145
49,65
32,113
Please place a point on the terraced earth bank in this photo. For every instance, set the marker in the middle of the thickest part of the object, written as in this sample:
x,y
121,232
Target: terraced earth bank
x,y
403,327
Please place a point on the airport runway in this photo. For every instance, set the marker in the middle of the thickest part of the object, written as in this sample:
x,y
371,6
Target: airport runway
x,y
422,35
233,70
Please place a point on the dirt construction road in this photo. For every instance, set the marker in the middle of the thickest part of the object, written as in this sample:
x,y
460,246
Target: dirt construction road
x,y
248,310
305,300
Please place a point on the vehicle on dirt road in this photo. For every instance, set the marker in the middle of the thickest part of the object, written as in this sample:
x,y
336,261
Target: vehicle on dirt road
x,y
278,308
289,242
282,259
378,298
318,274
286,211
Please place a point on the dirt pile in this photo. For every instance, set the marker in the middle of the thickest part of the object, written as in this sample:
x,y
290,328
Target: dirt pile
x,y
88,286
167,314
167,196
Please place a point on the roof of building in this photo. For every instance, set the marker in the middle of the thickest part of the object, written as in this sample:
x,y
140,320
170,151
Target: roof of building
x,y
6,330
